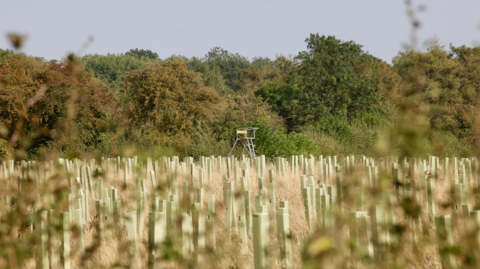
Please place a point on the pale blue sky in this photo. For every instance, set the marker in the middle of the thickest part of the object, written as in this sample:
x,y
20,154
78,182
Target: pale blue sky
x,y
250,27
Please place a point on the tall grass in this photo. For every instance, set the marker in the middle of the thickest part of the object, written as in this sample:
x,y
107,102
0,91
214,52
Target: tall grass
x,y
331,247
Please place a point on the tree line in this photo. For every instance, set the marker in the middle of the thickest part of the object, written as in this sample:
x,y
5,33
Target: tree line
x,y
332,98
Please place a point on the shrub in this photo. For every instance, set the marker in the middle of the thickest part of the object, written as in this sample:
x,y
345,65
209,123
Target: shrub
x,y
169,102
44,102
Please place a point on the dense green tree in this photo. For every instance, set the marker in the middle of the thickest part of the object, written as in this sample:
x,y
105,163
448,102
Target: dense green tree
x,y
109,68
143,54
5,54
336,78
470,60
332,79
284,100
175,57
463,52
229,64
261,71
211,75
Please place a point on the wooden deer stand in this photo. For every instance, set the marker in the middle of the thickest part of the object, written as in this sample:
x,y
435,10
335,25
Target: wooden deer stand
x,y
246,136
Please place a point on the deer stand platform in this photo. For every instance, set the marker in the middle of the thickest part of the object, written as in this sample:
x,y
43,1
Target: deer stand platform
x,y
246,136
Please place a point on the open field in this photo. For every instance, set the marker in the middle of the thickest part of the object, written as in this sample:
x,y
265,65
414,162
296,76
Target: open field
x,y
355,216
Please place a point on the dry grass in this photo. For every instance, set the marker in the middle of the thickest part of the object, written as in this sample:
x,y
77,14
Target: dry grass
x,y
112,250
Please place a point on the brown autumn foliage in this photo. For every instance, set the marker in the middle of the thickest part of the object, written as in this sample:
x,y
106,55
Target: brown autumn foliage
x,y
56,104
167,103
443,81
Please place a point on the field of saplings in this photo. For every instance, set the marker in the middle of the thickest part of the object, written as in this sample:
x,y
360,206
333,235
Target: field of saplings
x,y
219,212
